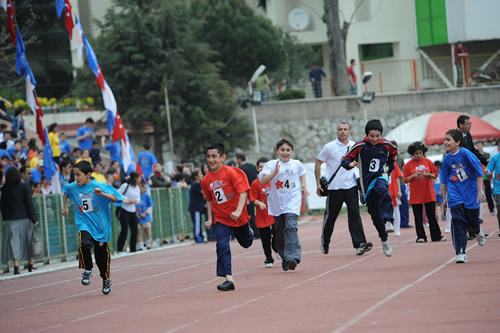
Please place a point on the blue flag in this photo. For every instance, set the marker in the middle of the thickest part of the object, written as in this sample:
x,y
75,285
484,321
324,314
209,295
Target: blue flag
x,y
49,166
59,7
21,61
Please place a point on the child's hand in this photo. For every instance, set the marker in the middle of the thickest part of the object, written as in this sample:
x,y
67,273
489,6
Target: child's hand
x,y
305,191
353,164
64,212
98,191
235,215
480,196
208,224
399,195
277,167
262,205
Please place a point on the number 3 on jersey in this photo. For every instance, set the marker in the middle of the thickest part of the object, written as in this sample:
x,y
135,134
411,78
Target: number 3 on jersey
x,y
220,197
374,165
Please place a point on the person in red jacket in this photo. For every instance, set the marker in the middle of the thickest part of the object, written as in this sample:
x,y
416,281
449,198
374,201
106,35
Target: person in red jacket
x,y
420,173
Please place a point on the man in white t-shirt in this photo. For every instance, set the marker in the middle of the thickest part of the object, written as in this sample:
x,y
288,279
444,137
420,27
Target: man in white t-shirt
x,y
342,189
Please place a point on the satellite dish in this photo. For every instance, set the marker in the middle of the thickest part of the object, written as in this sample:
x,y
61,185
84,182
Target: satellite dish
x,y
298,19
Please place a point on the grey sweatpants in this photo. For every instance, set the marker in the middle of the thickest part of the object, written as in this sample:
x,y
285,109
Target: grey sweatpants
x,y
287,237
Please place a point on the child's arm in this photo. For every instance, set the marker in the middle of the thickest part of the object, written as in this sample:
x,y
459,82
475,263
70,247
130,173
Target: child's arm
x,y
260,204
209,223
304,187
64,211
480,195
266,178
399,195
443,190
111,197
241,203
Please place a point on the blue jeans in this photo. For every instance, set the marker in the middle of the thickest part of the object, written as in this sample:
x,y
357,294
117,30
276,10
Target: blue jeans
x,y
353,91
459,75
223,234
287,239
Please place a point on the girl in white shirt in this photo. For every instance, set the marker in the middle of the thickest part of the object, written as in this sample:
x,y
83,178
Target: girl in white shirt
x,y
131,194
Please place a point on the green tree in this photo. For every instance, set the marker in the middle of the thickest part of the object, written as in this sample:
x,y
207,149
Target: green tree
x,y
147,45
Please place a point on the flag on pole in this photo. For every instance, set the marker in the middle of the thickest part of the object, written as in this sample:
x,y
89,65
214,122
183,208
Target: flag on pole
x,y
59,7
10,20
21,62
32,101
68,18
127,156
49,165
78,38
92,61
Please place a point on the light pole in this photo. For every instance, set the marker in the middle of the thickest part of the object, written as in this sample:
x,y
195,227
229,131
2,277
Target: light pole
x,y
255,99
367,97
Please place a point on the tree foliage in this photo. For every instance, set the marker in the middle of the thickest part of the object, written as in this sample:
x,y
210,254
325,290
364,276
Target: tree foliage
x,y
147,45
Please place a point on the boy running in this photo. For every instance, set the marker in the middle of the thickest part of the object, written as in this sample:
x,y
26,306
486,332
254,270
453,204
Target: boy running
x,y
226,190
462,187
263,221
287,178
372,154
92,220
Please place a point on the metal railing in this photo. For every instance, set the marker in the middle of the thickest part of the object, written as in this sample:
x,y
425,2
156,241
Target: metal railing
x,y
171,223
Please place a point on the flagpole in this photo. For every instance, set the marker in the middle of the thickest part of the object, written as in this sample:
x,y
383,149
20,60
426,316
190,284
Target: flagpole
x,y
170,138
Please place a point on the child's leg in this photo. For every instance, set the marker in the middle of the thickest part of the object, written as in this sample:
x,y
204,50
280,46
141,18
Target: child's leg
x,y
458,228
85,243
472,220
223,234
481,212
243,235
448,219
497,203
102,259
379,204
293,249
430,209
196,217
140,241
279,235
265,238
397,219
419,224
147,230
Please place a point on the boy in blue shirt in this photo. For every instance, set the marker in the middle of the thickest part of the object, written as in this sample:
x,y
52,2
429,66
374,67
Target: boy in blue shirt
x,y
146,161
462,186
144,220
372,154
92,219
494,167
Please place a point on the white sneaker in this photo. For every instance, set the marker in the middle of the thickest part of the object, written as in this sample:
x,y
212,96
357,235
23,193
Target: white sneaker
x,y
461,258
397,233
447,229
443,239
387,248
481,238
389,227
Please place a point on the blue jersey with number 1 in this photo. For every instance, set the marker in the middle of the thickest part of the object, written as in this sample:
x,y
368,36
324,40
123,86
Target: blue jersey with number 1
x,y
92,210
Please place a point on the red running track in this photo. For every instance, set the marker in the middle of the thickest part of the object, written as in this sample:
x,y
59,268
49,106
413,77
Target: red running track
x,y
419,289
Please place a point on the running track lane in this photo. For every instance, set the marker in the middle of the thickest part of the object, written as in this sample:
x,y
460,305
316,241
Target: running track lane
x,y
419,289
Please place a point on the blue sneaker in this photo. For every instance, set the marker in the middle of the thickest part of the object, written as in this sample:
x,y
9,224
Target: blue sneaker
x,y
86,278
106,286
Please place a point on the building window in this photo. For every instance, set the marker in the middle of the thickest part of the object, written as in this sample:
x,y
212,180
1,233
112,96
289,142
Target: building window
x,y
376,51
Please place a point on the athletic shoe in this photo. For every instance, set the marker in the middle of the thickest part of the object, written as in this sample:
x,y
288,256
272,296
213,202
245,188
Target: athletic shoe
x,y
363,247
407,226
397,233
443,239
106,286
481,238
86,278
447,229
226,286
421,240
461,258
284,265
426,225
292,264
278,256
268,263
387,248
389,227
324,249
492,212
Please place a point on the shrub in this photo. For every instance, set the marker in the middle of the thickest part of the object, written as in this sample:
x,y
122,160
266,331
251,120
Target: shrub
x,y
292,94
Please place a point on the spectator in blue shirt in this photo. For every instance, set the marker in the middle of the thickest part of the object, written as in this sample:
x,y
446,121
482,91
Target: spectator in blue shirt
x,y
316,74
115,150
36,173
64,145
85,135
146,161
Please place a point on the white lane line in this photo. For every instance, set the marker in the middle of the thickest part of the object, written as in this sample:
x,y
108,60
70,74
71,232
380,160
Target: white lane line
x,y
380,303
97,314
36,287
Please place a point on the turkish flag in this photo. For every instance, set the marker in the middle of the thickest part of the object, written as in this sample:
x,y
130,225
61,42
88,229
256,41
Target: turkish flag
x,y
119,130
39,125
68,18
10,22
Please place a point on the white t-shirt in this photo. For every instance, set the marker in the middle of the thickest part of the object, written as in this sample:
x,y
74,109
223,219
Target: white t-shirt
x,y
286,189
133,192
332,154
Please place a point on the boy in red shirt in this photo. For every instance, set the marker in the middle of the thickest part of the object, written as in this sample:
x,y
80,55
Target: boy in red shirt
x,y
395,191
226,190
263,221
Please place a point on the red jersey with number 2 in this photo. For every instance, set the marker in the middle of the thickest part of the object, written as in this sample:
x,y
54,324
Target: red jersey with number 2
x,y
223,189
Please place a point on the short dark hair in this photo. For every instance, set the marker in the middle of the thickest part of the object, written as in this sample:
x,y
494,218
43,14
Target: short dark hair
x,y
23,169
374,125
262,160
65,162
89,120
18,111
146,146
12,177
352,60
132,178
218,146
455,134
76,149
284,142
52,127
461,119
241,156
84,167
437,163
417,145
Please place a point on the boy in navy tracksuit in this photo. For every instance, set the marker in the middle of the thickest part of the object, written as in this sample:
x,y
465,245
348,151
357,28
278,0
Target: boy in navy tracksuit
x,y
371,154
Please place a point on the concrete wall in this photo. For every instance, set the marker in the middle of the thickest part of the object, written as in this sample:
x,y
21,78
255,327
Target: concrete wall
x,y
311,123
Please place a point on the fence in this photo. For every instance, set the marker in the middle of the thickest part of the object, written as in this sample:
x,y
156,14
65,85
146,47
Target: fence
x,y
171,223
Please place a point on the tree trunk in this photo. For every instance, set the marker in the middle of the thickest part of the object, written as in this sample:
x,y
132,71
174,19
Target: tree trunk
x,y
336,43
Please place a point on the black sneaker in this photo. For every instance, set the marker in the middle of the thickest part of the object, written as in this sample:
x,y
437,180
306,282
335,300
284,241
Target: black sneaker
x,y
226,286
86,278
268,263
292,264
106,286
324,248
284,265
364,247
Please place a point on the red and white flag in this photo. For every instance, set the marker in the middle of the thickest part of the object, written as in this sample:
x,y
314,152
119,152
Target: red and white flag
x,y
10,20
68,18
32,101
78,38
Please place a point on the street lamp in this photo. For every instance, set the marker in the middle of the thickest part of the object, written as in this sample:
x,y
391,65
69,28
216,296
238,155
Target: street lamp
x,y
367,97
255,99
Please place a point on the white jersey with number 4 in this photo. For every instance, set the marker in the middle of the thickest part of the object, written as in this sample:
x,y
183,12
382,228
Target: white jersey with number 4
x,y
286,189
